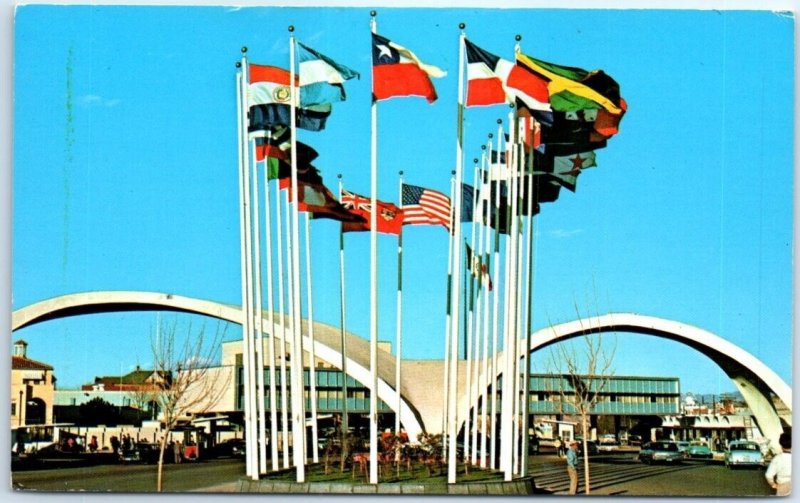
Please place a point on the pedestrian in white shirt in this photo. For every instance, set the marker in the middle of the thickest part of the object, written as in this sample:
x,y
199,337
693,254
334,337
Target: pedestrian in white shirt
x,y
779,471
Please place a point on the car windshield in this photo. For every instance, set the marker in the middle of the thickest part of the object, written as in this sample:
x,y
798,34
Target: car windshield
x,y
665,446
744,447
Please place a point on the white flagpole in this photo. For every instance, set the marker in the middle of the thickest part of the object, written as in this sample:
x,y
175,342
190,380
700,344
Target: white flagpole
x,y
509,340
312,374
290,325
259,323
447,338
473,330
452,460
469,356
373,291
273,406
399,355
298,409
492,393
517,310
244,198
484,383
283,323
342,290
528,319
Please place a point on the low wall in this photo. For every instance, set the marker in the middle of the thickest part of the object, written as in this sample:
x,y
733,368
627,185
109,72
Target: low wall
x,y
518,486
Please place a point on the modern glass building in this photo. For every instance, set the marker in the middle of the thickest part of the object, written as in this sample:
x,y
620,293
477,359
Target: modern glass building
x,y
329,392
620,395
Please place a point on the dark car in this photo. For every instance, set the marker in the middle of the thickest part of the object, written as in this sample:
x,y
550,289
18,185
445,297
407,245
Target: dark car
x,y
533,444
660,452
141,452
591,446
233,447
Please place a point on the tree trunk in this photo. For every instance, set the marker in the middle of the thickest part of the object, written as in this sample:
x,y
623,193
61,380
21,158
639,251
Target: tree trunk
x,y
584,427
161,462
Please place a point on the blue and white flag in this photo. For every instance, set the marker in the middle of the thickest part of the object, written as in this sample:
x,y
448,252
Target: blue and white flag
x,y
321,78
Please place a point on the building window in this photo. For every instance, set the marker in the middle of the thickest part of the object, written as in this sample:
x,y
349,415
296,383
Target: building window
x,y
13,408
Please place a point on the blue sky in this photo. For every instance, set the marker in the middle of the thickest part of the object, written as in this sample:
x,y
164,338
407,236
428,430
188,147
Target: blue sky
x,y
125,172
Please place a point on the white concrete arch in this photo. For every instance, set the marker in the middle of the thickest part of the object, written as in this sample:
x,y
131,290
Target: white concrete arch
x,y
755,381
327,339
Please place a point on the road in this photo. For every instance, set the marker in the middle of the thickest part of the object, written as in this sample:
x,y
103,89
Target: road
x,y
623,475
611,474
133,478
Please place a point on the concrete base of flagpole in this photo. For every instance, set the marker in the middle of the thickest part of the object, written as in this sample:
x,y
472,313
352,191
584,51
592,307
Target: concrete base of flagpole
x,y
519,486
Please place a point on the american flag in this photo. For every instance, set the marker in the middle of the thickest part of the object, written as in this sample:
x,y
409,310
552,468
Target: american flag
x,y
425,206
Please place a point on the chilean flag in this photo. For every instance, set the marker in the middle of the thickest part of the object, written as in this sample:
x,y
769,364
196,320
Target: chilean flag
x,y
396,71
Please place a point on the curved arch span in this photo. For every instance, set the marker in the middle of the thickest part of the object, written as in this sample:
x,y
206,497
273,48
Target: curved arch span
x,y
327,339
756,382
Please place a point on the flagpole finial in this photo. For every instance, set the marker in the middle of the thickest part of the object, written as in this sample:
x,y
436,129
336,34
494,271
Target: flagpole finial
x,y
491,135
401,172
475,160
372,13
291,28
244,49
518,38
238,64
453,172
512,106
339,176
461,26
483,147
499,121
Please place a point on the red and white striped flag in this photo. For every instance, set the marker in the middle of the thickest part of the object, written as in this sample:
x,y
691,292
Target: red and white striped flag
x,y
423,206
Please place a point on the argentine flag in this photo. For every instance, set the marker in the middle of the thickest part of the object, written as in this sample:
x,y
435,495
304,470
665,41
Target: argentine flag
x,y
321,78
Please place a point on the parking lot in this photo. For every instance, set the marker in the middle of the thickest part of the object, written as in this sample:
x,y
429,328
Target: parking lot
x,y
621,473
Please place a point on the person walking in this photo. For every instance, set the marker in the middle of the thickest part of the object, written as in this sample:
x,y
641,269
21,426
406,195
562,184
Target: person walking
x,y
779,471
572,467
176,451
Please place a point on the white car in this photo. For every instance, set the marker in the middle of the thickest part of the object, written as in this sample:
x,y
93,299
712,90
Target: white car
x,y
743,453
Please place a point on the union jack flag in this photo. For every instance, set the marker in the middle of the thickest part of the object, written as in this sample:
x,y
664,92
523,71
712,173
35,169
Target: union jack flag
x,y
390,217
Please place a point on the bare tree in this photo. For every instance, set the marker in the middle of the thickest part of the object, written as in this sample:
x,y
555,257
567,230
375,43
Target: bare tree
x,y
585,373
143,397
190,385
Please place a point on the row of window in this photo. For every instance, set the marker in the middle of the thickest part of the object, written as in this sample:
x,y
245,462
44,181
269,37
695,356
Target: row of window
x,y
613,385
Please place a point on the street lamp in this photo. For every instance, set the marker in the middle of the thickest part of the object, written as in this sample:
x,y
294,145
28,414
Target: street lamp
x,y
19,412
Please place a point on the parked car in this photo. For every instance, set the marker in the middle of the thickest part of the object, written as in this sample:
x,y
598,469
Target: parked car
x,y
533,444
698,450
743,453
682,446
591,446
607,439
660,452
608,446
239,449
232,447
635,440
141,452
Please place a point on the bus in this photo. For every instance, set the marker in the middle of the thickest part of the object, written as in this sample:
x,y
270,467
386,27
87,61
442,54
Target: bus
x,y
31,438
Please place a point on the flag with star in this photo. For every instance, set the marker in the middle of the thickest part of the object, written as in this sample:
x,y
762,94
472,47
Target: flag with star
x,y
396,71
564,169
